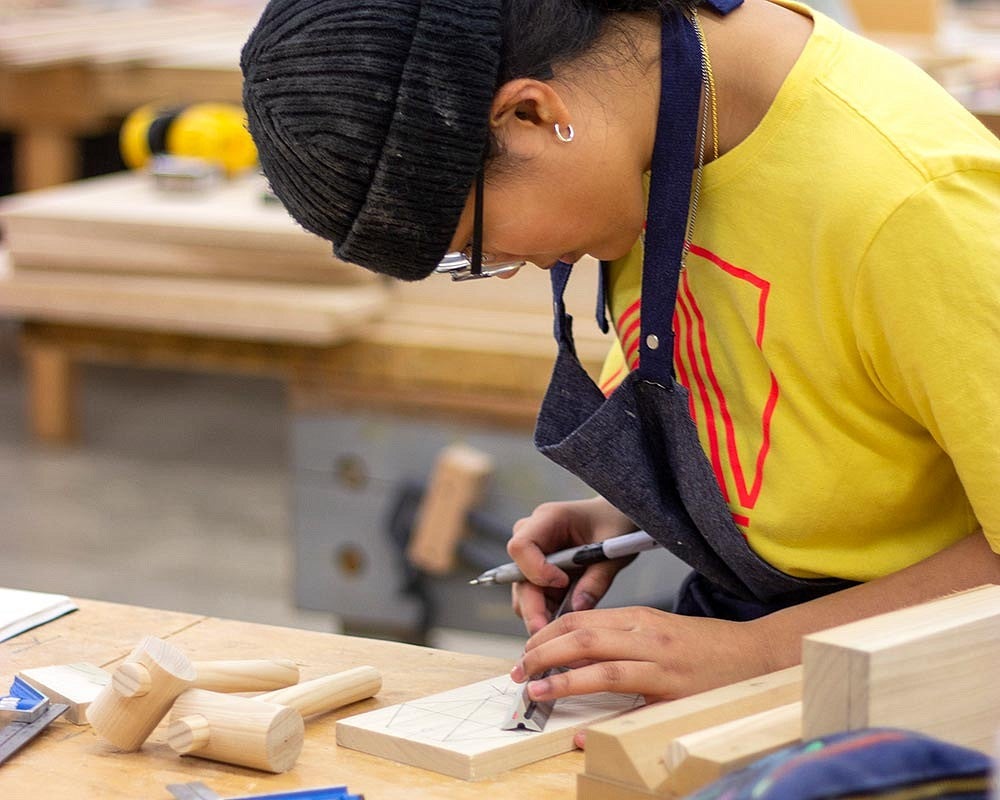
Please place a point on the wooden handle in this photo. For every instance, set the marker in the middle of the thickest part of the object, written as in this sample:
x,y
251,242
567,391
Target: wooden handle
x,y
455,488
188,734
329,692
132,679
259,675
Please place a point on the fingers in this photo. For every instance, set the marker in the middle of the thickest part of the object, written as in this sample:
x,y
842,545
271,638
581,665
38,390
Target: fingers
x,y
531,603
624,677
528,548
594,584
584,645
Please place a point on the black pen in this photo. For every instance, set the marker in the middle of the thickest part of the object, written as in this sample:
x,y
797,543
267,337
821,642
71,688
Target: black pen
x,y
575,557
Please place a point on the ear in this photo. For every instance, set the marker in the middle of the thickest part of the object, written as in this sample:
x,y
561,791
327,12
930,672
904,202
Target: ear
x,y
524,111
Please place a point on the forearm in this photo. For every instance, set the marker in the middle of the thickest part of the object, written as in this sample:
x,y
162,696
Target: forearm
x,y
967,563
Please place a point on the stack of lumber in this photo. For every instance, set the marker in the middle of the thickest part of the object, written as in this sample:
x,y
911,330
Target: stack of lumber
x,y
928,668
116,251
111,269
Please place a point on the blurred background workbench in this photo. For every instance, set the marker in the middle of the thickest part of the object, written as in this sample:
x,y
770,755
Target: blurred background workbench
x,y
74,68
70,70
110,269
381,376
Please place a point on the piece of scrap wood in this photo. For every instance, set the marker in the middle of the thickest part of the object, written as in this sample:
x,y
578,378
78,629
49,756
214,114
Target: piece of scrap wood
x,y
589,787
698,758
458,732
629,749
929,668
73,685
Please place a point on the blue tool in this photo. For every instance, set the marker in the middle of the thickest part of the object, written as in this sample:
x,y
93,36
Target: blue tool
x,y
27,713
199,791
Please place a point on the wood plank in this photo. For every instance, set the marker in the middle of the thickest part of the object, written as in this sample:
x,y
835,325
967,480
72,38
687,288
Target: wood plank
x,y
929,668
696,759
629,749
590,787
76,685
235,309
458,732
123,224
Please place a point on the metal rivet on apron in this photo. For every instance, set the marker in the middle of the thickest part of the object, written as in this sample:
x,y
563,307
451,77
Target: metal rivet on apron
x,y
652,341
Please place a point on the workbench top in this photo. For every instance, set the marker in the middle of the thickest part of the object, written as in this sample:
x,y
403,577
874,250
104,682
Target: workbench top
x,y
69,761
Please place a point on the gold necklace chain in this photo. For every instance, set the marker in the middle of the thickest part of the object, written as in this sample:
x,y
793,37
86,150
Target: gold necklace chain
x,y
712,97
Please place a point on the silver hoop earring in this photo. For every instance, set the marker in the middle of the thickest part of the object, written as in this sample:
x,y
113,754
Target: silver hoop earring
x,y
565,137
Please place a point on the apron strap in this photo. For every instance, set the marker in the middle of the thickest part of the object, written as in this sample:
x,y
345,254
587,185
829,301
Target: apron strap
x,y
562,323
669,194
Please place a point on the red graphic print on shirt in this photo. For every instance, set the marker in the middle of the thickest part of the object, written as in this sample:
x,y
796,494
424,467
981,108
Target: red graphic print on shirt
x,y
739,471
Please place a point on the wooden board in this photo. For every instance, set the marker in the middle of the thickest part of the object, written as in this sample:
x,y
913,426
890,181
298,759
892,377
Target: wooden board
x,y
590,787
95,35
696,759
458,732
269,312
629,750
930,668
76,685
123,224
920,17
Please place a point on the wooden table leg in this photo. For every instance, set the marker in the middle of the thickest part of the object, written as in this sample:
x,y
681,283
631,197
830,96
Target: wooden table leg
x,y
52,380
44,157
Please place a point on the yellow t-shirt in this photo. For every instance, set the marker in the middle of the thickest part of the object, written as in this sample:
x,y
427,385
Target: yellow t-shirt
x,y
838,321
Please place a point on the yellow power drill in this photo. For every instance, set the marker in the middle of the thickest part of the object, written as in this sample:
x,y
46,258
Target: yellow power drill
x,y
211,133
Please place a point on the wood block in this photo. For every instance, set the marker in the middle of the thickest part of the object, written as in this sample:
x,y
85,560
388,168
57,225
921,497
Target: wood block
x,y
929,668
589,787
456,486
920,17
696,759
629,750
263,311
458,732
122,224
75,685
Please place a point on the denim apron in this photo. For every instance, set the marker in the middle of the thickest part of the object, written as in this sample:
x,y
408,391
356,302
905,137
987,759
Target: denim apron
x,y
639,448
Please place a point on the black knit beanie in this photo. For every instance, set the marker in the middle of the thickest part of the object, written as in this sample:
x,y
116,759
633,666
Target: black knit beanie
x,y
371,119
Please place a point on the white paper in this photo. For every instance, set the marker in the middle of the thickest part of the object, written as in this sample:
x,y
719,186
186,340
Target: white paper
x,y
21,610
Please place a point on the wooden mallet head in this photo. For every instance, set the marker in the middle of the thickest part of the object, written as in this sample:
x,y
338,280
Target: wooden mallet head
x,y
264,732
140,693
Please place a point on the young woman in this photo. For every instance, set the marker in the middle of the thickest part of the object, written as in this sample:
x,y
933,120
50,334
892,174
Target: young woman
x,y
800,244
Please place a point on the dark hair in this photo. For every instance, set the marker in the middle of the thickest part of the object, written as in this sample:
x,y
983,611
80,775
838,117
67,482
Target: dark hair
x,y
540,36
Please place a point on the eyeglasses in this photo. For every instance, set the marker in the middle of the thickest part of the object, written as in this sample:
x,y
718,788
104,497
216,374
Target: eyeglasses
x,y
469,266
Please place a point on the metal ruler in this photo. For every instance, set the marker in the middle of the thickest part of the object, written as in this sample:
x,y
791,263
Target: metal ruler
x,y
14,735
531,715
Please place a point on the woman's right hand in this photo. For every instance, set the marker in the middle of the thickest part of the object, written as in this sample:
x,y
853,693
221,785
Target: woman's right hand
x,y
553,527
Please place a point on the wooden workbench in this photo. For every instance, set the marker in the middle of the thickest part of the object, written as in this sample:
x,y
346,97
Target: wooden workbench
x,y
69,761
77,70
108,270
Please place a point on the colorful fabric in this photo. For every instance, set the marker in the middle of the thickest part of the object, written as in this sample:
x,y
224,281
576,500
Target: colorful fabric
x,y
879,763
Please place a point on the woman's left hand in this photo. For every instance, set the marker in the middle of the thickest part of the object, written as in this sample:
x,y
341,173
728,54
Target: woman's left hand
x,y
639,650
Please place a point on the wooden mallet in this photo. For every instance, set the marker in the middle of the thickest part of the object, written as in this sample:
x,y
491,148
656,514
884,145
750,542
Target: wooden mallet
x,y
264,732
144,686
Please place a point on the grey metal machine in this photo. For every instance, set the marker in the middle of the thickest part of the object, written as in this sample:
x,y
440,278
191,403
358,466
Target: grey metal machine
x,y
359,480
